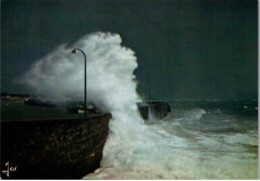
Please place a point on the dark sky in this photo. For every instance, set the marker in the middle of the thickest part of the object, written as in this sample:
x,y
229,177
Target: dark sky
x,y
190,49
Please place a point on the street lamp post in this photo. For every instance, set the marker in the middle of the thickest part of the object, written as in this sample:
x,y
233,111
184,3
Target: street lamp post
x,y
85,78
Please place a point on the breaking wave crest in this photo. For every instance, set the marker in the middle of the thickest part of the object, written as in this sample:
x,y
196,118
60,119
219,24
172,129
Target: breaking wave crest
x,y
133,150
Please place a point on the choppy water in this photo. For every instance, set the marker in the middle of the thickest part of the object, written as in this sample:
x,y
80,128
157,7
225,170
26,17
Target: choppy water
x,y
191,143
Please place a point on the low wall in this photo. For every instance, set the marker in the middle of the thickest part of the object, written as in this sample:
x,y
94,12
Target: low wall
x,y
53,149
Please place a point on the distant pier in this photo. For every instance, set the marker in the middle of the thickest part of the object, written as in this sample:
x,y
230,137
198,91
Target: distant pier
x,y
157,109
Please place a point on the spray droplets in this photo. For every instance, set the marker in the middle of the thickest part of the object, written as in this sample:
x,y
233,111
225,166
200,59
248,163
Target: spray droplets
x,y
59,75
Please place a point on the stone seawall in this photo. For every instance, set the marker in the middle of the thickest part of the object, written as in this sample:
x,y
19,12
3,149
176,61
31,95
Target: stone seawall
x,y
53,149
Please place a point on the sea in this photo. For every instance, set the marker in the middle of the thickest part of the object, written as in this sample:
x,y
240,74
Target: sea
x,y
207,139
197,140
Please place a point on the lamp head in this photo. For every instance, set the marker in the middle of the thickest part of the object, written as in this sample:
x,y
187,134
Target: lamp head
x,y
73,51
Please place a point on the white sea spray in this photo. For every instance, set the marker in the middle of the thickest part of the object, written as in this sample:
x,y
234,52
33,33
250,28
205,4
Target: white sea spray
x,y
172,149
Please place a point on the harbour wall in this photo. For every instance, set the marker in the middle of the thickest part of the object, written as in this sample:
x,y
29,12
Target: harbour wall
x,y
53,149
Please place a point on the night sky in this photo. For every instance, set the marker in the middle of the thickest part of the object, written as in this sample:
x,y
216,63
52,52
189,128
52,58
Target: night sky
x,y
190,49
